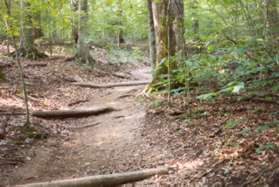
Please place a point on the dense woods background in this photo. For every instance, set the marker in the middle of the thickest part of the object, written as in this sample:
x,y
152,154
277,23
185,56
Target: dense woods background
x,y
224,44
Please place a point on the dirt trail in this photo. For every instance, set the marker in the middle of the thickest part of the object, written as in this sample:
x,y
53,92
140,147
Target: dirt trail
x,y
112,144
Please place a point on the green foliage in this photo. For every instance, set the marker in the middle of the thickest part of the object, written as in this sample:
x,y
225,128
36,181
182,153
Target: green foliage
x,y
227,48
156,104
110,17
264,147
263,127
230,124
122,56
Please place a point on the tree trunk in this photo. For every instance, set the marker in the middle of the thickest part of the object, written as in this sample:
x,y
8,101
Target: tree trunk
x,y
272,25
195,20
177,12
119,14
26,47
8,4
80,32
152,40
74,7
168,16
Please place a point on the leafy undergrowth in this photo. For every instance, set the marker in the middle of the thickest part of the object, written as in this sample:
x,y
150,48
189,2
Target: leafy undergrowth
x,y
225,142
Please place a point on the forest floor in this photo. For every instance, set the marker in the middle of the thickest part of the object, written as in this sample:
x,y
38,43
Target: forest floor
x,y
221,143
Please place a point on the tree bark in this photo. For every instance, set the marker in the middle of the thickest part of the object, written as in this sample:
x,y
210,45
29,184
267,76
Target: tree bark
x,y
120,31
8,4
103,180
195,20
152,40
272,25
75,34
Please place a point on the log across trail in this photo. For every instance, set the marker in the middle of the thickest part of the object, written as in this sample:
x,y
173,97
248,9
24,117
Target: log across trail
x,y
103,180
62,114
111,85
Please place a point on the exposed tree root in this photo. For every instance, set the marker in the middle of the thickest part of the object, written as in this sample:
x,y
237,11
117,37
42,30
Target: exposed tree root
x,y
64,113
103,180
121,84
71,113
35,65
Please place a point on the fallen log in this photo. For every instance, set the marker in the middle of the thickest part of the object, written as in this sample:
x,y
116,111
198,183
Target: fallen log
x,y
71,113
103,180
112,85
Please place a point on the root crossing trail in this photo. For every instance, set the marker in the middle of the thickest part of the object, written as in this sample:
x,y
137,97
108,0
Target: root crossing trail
x,y
98,145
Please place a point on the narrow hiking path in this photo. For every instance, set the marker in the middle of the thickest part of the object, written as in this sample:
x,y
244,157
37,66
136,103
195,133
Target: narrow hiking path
x,y
101,144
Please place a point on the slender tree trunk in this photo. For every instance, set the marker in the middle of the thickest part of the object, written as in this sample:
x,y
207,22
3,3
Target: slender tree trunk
x,y
120,32
152,40
195,20
75,8
8,4
177,12
272,25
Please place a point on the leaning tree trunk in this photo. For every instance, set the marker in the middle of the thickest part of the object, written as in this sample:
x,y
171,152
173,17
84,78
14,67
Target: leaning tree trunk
x,y
26,47
152,40
272,26
168,16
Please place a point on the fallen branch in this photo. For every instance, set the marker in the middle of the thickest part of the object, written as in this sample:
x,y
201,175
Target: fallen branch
x,y
121,84
103,180
124,96
35,65
120,75
71,113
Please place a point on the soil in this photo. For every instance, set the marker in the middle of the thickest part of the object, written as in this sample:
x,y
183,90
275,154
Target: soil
x,y
206,143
